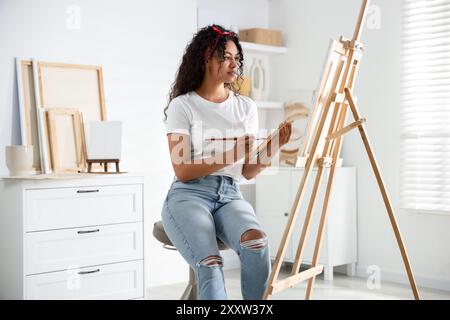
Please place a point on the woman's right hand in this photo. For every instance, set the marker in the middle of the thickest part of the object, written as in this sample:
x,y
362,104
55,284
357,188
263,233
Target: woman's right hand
x,y
243,147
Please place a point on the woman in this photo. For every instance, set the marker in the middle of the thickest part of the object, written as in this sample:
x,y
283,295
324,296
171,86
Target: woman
x,y
211,129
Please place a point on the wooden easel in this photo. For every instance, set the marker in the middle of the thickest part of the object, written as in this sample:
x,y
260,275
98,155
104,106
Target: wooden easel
x,y
333,99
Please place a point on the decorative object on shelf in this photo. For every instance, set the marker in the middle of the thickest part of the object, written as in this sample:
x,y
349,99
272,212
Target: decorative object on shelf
x,y
297,113
105,163
288,157
104,144
262,36
19,160
258,80
105,140
245,86
263,62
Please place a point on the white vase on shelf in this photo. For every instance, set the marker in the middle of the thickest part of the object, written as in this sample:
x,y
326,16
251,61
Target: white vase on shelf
x,y
266,79
258,77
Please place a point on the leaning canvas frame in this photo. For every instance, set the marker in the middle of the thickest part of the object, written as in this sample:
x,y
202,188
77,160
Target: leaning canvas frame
x,y
62,85
330,75
42,125
73,157
27,110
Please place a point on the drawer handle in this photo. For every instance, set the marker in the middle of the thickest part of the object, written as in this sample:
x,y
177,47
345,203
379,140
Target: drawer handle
x,y
286,214
88,231
88,191
88,272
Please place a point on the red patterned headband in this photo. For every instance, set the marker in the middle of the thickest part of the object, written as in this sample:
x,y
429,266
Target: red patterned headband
x,y
219,33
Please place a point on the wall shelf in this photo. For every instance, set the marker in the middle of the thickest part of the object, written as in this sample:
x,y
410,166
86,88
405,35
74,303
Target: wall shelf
x,y
269,104
261,48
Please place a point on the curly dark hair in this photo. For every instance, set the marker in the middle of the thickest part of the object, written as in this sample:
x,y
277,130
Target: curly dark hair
x,y
205,44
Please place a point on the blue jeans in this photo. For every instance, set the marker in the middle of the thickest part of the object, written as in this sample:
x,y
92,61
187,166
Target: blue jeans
x,y
198,211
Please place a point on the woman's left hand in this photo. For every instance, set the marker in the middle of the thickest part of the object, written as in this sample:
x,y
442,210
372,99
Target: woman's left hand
x,y
285,130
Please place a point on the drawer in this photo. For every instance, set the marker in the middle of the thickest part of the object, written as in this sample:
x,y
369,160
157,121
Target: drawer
x,y
73,248
113,281
47,209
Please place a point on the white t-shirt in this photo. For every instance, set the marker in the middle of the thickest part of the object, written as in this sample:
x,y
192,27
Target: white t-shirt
x,y
192,115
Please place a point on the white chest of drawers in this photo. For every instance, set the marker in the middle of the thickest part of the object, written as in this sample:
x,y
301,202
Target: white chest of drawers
x,y
72,238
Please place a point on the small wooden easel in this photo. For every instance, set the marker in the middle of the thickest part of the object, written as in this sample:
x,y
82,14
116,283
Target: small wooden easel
x,y
332,102
103,162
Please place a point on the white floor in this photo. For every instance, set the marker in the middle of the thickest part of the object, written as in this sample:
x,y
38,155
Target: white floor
x,y
341,288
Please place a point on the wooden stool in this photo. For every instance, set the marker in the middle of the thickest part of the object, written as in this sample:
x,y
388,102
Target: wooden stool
x,y
190,293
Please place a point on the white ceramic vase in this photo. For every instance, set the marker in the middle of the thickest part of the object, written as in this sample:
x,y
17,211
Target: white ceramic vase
x,y
257,74
19,160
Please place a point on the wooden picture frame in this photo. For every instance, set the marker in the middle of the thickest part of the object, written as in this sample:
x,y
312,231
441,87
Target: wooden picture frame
x,y
66,140
63,85
29,129
41,124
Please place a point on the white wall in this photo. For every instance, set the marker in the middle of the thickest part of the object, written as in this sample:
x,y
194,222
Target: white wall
x,y
241,14
139,44
309,24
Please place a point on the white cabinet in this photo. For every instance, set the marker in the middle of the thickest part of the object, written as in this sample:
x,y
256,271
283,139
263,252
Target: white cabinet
x,y
72,238
275,193
273,199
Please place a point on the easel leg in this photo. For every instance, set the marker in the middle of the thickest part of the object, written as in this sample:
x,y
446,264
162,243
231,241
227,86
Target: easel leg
x,y
385,195
322,223
334,150
289,227
307,223
312,202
